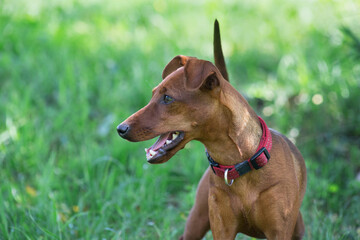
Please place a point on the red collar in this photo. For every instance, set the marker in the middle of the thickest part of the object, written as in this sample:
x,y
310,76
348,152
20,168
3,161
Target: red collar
x,y
258,160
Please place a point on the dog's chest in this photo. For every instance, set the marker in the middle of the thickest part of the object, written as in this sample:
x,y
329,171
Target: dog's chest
x,y
241,196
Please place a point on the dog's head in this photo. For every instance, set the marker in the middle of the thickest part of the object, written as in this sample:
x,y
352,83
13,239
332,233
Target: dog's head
x,y
181,109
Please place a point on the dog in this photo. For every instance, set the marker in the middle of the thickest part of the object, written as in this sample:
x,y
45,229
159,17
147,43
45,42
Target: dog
x,y
257,177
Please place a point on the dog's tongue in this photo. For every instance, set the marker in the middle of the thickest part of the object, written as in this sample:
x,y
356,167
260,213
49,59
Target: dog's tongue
x,y
160,142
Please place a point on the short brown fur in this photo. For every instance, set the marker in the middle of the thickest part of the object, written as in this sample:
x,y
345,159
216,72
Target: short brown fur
x,y
263,203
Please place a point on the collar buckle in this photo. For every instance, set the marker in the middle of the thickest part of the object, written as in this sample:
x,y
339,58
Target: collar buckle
x,y
211,161
257,154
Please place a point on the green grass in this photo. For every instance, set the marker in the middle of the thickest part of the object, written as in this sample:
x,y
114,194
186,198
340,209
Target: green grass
x,y
70,71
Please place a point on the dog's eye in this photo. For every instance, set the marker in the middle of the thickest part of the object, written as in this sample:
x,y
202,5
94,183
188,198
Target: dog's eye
x,y
167,99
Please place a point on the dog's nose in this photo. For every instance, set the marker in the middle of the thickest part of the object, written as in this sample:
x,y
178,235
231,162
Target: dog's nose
x,y
123,129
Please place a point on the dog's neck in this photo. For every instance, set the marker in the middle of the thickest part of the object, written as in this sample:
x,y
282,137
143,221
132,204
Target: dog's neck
x,y
238,131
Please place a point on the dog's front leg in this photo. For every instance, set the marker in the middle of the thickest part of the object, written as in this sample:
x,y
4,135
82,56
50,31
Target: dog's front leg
x,y
223,221
198,223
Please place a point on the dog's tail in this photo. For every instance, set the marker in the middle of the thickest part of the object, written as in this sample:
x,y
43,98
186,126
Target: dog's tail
x,y
218,53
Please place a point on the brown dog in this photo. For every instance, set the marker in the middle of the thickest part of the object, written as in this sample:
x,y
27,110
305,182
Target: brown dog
x,y
243,191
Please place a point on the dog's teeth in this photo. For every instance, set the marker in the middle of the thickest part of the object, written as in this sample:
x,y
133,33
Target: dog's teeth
x,y
175,135
152,152
146,150
168,142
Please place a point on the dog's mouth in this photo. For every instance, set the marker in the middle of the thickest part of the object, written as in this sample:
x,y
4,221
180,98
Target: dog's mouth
x,y
165,143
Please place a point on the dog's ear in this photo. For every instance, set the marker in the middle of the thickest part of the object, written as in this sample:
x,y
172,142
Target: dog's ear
x,y
174,64
200,74
218,53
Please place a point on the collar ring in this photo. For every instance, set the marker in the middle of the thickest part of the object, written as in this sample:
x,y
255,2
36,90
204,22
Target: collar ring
x,y
226,178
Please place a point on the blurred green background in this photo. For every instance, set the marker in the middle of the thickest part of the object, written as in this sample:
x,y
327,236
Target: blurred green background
x,y
72,70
